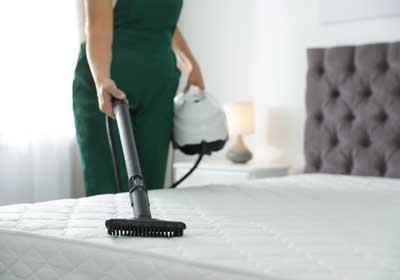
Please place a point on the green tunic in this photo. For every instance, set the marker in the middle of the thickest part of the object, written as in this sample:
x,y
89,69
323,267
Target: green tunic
x,y
144,67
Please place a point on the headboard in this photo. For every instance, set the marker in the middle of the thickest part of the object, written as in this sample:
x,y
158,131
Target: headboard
x,y
353,110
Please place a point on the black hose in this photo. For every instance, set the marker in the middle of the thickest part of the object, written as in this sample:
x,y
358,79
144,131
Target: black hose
x,y
174,185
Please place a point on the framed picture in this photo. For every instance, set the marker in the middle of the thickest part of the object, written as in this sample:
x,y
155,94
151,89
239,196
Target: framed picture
x,y
333,11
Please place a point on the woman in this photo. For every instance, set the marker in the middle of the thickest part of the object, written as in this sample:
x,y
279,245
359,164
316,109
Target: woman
x,y
128,53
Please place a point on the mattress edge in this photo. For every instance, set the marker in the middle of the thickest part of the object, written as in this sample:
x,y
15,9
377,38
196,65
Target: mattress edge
x,y
135,253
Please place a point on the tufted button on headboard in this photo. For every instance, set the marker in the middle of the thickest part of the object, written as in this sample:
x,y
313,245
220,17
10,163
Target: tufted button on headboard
x,y
353,110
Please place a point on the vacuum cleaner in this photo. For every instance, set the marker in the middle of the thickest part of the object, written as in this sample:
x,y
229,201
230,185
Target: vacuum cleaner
x,y
199,128
143,224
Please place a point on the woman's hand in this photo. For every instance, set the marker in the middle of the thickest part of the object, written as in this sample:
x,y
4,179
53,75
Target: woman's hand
x,y
106,92
195,79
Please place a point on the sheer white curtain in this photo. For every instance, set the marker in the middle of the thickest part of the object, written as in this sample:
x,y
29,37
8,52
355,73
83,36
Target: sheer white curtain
x,y
38,50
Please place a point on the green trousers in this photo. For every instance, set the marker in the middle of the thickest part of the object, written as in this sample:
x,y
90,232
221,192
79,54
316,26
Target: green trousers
x,y
144,67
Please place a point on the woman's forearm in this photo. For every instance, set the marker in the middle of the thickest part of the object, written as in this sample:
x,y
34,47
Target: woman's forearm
x,y
99,56
179,44
99,28
187,62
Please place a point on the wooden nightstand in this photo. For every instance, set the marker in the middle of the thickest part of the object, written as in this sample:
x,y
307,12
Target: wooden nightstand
x,y
225,172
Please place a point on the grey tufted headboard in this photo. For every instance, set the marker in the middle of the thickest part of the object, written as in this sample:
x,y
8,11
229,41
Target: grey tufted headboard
x,y
353,110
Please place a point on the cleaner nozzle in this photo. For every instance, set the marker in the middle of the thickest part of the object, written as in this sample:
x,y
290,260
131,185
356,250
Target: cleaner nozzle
x,y
144,228
143,225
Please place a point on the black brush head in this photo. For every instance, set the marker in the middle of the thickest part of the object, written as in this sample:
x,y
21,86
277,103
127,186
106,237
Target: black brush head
x,y
144,228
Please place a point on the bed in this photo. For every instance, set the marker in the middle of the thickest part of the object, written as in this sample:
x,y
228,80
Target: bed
x,y
337,221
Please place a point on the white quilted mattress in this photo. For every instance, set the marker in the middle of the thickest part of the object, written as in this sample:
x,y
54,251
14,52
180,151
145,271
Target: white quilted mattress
x,y
296,227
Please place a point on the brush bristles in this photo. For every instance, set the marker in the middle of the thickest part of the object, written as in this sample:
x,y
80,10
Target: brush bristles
x,y
144,228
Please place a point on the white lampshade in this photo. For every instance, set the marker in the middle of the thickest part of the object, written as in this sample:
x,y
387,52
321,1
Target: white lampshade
x,y
239,117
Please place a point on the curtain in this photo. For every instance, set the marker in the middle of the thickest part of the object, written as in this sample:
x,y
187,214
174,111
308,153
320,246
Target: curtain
x,y
38,51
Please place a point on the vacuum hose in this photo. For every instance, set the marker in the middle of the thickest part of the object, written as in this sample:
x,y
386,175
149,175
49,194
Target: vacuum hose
x,y
191,170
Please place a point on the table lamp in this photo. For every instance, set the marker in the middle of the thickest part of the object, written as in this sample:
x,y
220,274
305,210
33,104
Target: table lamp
x,y
240,121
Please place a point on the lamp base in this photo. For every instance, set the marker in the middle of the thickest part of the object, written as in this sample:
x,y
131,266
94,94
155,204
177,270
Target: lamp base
x,y
239,152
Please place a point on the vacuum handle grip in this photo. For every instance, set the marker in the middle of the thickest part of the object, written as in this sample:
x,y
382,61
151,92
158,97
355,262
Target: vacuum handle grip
x,y
121,110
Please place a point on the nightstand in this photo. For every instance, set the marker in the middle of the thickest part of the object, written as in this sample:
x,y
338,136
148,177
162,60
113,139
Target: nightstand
x,y
225,172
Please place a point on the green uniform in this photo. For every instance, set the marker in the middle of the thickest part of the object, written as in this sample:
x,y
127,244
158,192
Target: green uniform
x,y
144,67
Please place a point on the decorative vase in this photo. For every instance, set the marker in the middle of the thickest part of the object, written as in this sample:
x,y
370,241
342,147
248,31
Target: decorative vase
x,y
239,153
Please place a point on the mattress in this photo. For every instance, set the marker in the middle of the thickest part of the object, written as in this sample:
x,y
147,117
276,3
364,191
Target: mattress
x,y
295,227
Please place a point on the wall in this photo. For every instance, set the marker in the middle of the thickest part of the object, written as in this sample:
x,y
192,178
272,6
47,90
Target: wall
x,y
255,50
223,39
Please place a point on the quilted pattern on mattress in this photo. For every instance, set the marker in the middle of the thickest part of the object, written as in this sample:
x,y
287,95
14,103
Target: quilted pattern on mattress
x,y
296,227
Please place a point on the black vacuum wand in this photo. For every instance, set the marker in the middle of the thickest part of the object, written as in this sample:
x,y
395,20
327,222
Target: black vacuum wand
x,y
143,224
